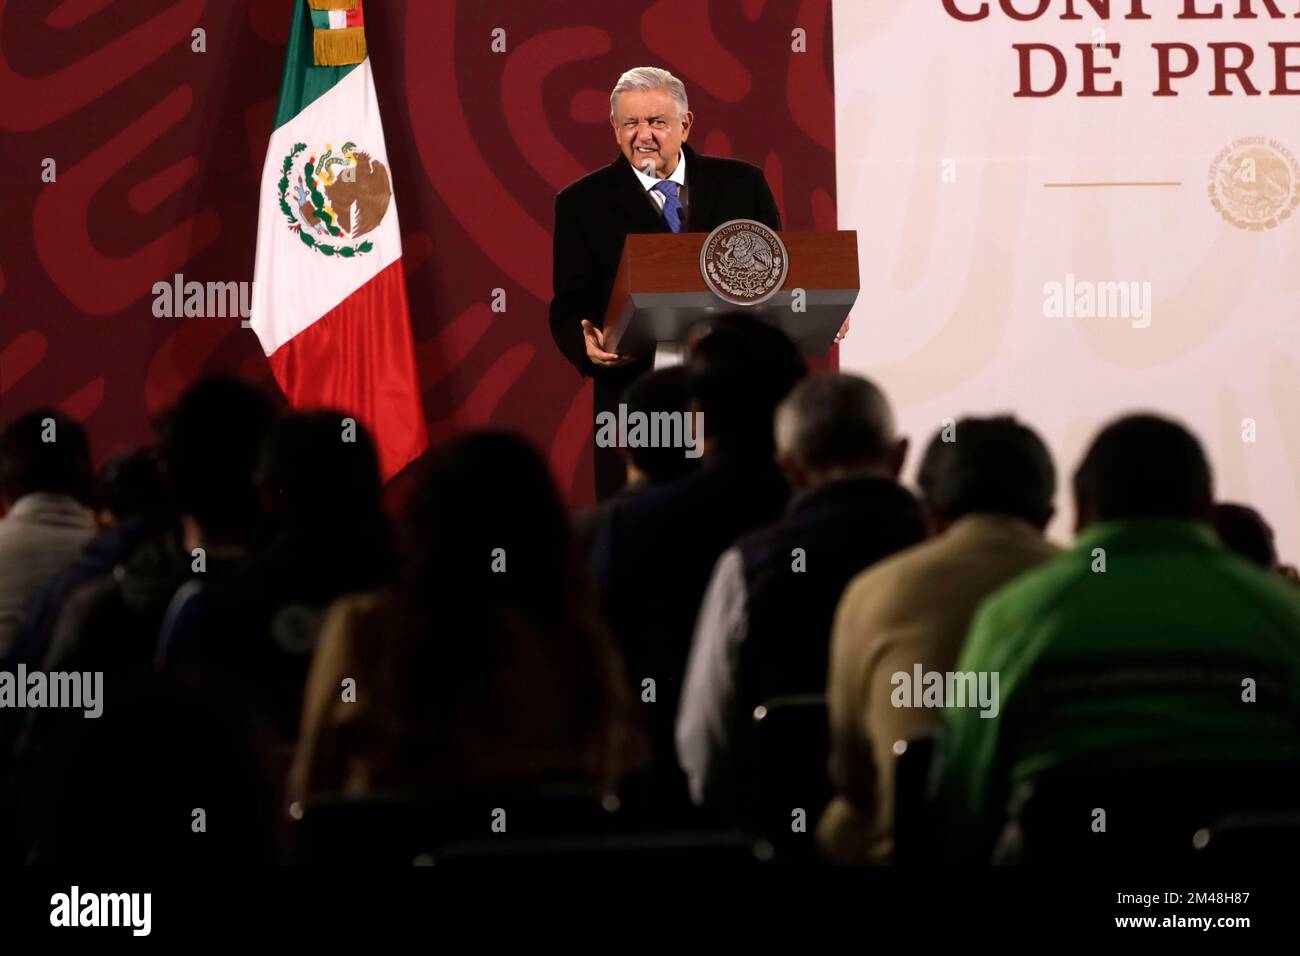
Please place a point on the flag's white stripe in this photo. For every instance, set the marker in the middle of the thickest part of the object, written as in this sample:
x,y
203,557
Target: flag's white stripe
x,y
293,284
338,19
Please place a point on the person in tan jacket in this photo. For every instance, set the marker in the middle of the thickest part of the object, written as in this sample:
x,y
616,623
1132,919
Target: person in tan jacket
x,y
988,485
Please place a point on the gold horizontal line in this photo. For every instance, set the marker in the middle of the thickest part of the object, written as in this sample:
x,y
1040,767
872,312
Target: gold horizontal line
x,y
1103,185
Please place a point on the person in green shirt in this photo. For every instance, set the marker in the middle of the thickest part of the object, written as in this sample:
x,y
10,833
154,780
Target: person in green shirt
x,y
1146,643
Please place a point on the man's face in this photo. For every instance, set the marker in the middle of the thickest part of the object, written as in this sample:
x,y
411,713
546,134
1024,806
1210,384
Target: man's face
x,y
648,127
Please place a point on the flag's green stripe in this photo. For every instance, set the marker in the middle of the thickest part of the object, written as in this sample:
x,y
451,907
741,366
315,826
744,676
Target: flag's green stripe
x,y
320,19
304,82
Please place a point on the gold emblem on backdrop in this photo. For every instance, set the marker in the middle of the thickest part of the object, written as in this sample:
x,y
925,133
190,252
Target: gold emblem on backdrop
x,y
1255,183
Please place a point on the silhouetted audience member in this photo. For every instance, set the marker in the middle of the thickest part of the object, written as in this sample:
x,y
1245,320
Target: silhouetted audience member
x,y
254,630
128,484
1083,645
210,445
1244,531
657,551
486,663
213,445
45,476
130,504
988,489
659,392
764,629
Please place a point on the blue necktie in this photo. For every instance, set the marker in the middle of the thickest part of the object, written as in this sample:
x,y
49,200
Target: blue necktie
x,y
672,205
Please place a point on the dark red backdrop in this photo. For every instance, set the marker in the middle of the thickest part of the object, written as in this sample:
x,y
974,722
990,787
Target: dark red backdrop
x,y
159,154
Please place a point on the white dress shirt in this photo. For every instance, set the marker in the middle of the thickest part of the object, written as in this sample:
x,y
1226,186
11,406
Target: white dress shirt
x,y
678,176
709,726
668,353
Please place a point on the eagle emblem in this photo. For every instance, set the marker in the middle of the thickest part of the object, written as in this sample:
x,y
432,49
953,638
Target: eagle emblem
x,y
744,262
1255,184
334,198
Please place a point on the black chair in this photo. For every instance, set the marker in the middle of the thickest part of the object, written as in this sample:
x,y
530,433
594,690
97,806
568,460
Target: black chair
x,y
399,828
790,751
913,826
1151,805
717,848
1247,838
1152,814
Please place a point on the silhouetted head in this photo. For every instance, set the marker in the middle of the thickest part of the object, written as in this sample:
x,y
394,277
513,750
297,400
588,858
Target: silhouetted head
x,y
739,373
318,468
213,439
663,390
1143,466
129,483
835,425
1244,531
44,451
990,466
486,524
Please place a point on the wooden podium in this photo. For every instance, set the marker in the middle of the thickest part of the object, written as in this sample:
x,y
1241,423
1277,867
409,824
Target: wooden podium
x,y
660,296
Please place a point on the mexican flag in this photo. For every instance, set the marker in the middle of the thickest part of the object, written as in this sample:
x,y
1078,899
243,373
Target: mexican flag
x,y
329,293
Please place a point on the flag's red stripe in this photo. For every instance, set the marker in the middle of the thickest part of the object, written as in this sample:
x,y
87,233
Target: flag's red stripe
x,y
355,19
359,359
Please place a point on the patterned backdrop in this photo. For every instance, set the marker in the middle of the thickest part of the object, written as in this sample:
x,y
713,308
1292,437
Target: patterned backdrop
x,y
157,153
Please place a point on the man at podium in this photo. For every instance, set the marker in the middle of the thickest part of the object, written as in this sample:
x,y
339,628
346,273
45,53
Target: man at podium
x,y
658,184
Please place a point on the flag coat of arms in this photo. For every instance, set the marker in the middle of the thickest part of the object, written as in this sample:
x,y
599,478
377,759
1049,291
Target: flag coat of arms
x,y
329,292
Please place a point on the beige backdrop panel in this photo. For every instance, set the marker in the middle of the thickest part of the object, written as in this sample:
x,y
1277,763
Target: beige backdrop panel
x,y
952,317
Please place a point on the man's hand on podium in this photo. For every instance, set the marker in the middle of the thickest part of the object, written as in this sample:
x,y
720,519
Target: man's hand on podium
x,y
595,339
844,330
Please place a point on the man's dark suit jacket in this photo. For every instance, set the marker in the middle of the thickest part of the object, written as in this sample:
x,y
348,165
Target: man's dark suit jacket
x,y
653,562
592,218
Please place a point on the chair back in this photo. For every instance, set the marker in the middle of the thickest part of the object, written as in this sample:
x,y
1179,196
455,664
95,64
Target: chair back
x,y
789,774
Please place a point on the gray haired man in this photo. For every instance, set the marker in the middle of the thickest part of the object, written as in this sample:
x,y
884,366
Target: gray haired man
x,y
656,184
764,628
